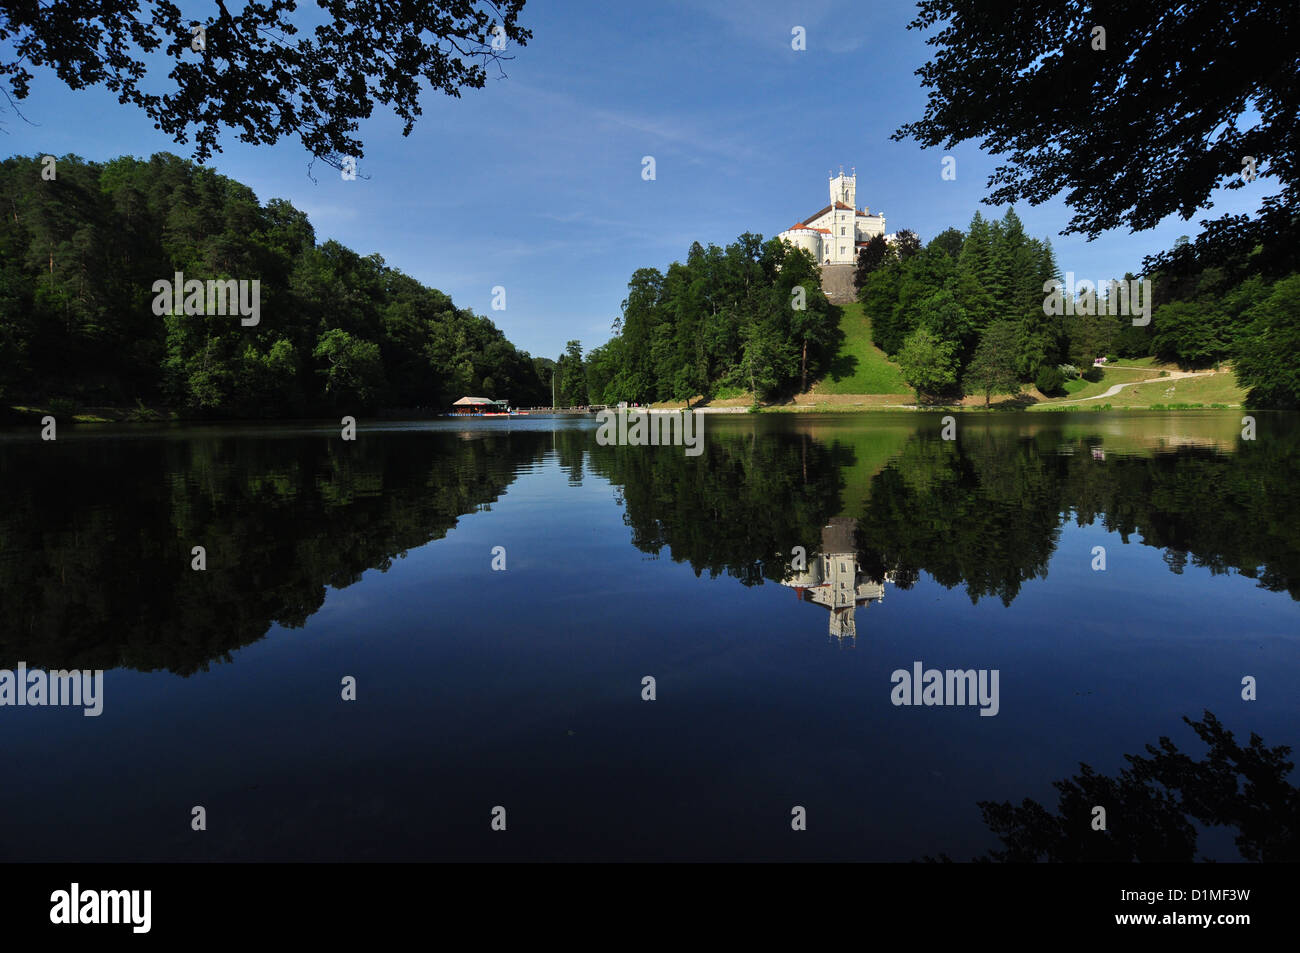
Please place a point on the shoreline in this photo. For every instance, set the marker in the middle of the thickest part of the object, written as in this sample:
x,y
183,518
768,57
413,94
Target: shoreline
x,y
98,419
1203,392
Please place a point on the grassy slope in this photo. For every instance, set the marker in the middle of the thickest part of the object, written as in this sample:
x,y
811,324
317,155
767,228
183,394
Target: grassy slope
x,y
1079,388
1219,388
860,367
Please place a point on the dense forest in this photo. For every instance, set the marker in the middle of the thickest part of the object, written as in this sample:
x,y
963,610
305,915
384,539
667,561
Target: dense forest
x,y
964,313
1223,304
750,317
80,253
961,314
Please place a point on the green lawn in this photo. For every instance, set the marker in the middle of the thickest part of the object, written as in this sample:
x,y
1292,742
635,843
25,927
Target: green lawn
x,y
1110,376
1219,388
860,367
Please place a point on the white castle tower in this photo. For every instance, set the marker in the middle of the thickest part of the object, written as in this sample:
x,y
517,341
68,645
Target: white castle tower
x,y
834,234
844,189
834,578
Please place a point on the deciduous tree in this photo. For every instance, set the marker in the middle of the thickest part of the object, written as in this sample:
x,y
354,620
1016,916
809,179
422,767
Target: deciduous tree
x,y
252,72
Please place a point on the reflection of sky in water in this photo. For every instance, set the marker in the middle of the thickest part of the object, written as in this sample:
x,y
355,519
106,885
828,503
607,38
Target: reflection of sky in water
x,y
522,688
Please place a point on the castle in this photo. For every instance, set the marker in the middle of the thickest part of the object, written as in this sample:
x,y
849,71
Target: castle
x,y
834,579
834,234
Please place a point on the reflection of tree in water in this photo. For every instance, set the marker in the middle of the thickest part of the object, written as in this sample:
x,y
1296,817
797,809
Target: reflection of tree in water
x,y
739,508
984,512
95,540
1151,804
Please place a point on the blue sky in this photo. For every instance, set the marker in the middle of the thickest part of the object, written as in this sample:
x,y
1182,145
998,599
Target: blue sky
x,y
534,182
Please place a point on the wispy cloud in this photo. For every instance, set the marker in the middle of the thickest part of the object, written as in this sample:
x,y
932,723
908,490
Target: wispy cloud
x,y
569,117
829,25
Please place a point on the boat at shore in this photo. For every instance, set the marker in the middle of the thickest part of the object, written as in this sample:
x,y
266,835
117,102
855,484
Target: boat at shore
x,y
482,407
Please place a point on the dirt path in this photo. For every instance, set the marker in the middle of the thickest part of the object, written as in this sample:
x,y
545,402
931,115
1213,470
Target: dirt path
x,y
1116,388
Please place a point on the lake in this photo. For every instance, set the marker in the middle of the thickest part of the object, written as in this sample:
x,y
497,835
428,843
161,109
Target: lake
x,y
498,591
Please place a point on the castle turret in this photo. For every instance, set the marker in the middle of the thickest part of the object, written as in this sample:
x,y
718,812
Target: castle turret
x,y
844,189
835,234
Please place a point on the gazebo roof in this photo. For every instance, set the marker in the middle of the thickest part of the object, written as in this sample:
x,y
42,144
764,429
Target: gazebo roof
x,y
465,401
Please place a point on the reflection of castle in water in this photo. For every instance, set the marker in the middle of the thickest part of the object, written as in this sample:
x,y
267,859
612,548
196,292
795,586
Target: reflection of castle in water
x,y
835,580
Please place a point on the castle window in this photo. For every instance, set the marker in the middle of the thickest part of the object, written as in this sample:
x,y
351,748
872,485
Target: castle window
x,y
841,229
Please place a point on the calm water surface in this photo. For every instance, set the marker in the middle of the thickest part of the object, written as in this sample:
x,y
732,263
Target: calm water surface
x,y
523,688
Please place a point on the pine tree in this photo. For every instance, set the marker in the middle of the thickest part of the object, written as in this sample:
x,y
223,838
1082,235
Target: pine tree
x,y
993,368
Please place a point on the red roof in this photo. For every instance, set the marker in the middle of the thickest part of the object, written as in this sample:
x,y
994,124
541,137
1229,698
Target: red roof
x,y
837,205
